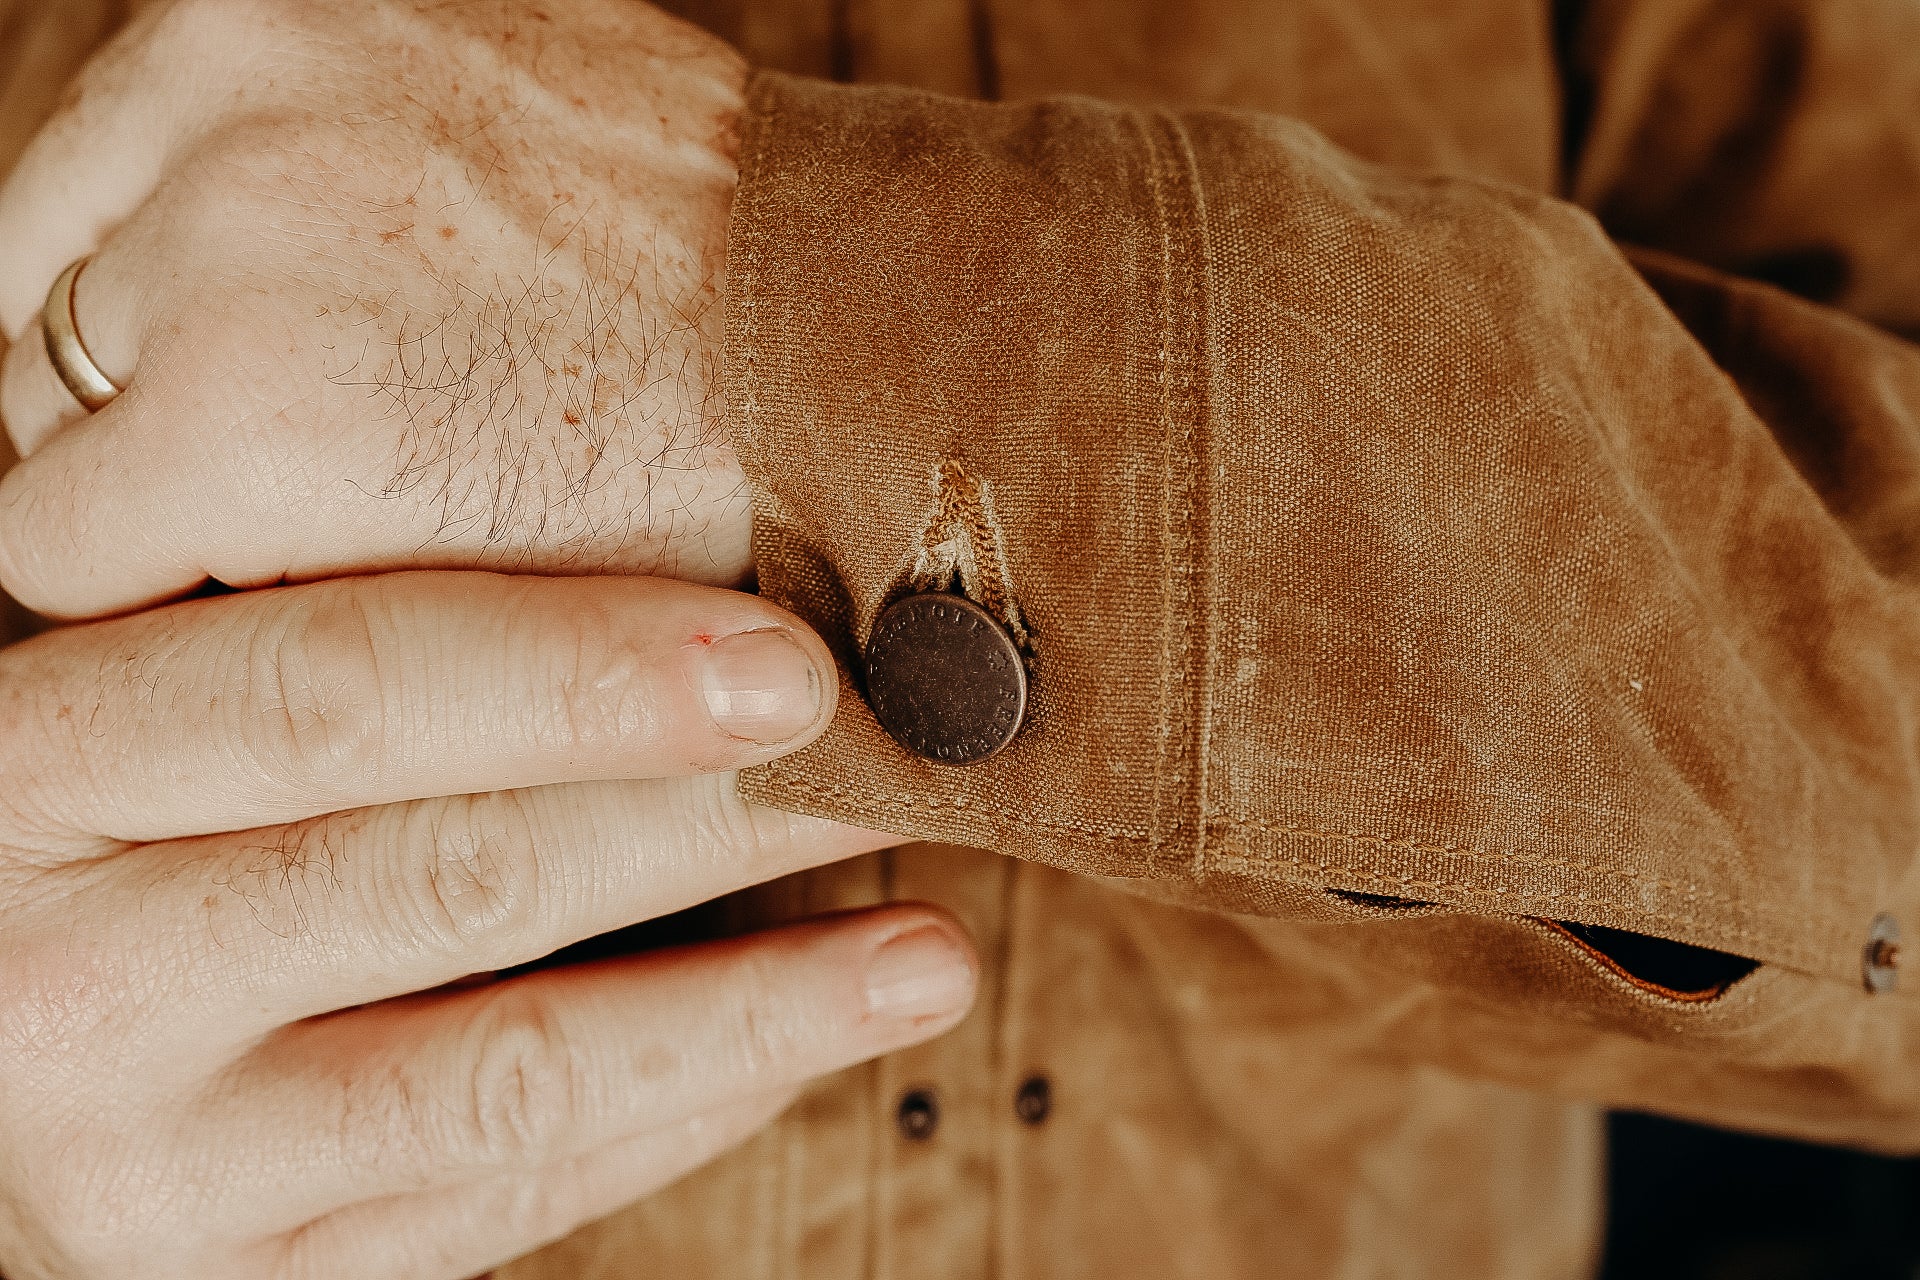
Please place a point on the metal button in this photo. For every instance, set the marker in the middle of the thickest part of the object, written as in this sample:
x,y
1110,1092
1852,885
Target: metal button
x,y
1034,1103
919,1114
1880,961
945,679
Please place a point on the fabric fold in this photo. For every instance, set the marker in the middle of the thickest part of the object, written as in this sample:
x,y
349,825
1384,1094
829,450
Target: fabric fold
x,y
1375,531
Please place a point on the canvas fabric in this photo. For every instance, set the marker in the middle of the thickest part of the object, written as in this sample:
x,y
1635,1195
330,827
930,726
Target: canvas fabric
x,y
1390,529
1456,472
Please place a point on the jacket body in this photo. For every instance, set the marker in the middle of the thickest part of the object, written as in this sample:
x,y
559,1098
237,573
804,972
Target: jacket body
x,y
1453,471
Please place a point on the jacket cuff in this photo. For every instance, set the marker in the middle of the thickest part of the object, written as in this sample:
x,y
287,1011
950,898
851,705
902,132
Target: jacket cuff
x,y
963,353
1350,522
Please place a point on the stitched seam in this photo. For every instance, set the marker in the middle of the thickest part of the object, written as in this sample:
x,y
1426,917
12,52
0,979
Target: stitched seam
x,y
1471,853
1200,545
1027,817
963,510
1168,775
748,260
1776,952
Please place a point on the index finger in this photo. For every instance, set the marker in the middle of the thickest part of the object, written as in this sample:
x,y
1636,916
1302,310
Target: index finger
x,y
273,706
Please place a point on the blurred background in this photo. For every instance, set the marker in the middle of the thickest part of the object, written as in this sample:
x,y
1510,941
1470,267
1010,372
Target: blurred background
x,y
1697,1204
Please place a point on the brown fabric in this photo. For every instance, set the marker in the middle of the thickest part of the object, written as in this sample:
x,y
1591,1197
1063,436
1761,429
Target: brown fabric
x,y
1378,530
1380,524
1221,1109
1775,139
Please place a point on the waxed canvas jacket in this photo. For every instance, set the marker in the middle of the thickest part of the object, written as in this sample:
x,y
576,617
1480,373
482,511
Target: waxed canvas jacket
x,y
1454,472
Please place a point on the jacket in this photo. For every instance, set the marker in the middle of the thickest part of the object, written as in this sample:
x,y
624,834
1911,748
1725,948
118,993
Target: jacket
x,y
1452,474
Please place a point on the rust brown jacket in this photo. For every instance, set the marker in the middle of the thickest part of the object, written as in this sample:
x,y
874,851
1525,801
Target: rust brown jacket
x,y
1455,469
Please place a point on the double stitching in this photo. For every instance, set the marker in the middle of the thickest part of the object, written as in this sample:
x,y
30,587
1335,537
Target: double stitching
x,y
1179,799
1773,952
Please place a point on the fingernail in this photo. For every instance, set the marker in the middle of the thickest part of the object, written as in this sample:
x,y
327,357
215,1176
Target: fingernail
x,y
921,973
761,686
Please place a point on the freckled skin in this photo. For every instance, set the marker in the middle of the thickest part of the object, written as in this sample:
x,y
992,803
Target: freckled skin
x,y
431,285
468,288
253,1009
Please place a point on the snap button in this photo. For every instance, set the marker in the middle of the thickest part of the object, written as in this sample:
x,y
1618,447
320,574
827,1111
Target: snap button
x,y
1034,1103
945,679
919,1115
1880,962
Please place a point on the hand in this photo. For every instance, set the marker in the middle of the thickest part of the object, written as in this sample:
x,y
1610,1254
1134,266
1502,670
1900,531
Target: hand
x,y
15,623
390,284
210,1065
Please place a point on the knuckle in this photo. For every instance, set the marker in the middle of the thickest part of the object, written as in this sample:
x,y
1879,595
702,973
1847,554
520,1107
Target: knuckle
x,y
225,30
226,206
523,1088
62,986
45,1001
733,837
99,1204
70,1198
318,717
738,833
602,680
476,894
208,192
276,881
765,1038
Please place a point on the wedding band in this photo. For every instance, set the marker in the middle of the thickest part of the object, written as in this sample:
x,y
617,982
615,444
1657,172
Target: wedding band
x,y
71,360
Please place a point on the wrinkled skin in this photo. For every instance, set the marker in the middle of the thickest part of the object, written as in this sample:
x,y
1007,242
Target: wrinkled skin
x,y
393,285
224,869
389,285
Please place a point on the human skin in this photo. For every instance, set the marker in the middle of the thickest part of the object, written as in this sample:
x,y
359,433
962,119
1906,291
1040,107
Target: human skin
x,y
225,875
392,285
389,284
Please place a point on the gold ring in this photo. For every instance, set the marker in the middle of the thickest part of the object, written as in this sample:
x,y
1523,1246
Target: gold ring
x,y
71,359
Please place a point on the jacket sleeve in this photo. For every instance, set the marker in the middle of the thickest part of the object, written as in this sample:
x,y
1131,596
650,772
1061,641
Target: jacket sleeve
x,y
1384,547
